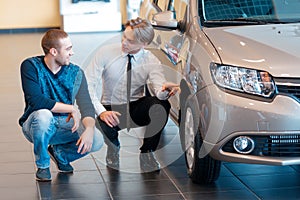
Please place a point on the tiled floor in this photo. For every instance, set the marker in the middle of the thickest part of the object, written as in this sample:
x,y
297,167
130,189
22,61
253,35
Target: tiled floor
x,y
91,179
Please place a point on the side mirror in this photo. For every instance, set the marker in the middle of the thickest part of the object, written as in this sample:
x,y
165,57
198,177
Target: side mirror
x,y
165,20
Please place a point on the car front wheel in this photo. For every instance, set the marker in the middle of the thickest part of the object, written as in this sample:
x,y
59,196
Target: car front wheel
x,y
200,169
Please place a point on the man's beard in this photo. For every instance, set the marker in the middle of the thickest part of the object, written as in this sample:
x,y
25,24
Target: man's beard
x,y
62,63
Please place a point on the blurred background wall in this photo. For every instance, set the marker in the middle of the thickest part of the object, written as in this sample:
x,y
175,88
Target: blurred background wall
x,y
22,14
15,14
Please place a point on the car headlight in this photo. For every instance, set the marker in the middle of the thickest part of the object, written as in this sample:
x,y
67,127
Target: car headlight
x,y
244,80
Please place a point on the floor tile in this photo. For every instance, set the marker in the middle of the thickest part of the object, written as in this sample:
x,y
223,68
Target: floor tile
x,y
253,169
16,156
110,175
17,180
73,191
22,192
223,195
271,181
290,193
153,197
82,177
15,147
222,184
141,188
17,167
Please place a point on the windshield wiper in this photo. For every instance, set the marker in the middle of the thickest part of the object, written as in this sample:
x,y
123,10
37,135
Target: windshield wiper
x,y
250,21
239,21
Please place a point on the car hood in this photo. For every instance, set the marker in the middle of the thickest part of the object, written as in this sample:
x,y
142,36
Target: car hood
x,y
273,48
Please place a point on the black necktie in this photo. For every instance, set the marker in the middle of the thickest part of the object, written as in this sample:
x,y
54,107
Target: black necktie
x,y
128,91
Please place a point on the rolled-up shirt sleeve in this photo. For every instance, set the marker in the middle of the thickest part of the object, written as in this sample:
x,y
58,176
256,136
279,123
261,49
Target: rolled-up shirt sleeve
x,y
94,80
157,79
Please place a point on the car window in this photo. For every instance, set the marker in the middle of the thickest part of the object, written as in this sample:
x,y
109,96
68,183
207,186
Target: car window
x,y
162,4
176,6
180,8
149,8
287,9
255,7
221,9
269,11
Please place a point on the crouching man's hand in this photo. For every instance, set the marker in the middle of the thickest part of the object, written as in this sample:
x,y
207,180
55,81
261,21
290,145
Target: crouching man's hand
x,y
111,118
172,88
85,142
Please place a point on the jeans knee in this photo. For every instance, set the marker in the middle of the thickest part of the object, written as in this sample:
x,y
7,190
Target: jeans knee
x,y
43,118
98,141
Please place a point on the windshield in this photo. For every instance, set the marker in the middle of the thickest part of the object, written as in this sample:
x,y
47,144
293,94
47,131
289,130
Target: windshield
x,y
250,11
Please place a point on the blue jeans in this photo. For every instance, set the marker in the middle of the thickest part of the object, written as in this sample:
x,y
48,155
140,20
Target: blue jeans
x,y
43,129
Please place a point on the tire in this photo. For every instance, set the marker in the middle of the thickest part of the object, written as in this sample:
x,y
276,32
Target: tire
x,y
200,170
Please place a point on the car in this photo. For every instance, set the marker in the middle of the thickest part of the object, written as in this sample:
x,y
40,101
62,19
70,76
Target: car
x,y
238,66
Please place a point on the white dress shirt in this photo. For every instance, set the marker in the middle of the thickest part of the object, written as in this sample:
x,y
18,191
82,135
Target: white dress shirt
x,y
106,76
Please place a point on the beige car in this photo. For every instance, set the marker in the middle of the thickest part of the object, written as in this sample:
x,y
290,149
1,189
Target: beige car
x,y
238,64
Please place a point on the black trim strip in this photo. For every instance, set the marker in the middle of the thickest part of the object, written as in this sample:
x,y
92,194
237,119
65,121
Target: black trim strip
x,y
26,30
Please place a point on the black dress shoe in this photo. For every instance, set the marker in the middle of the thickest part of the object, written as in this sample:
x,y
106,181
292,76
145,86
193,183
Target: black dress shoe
x,y
148,162
112,156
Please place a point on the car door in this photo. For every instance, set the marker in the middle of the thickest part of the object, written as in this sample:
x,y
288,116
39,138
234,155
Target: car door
x,y
168,44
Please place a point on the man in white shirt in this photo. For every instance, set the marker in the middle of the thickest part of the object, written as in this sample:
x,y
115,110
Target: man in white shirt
x,y
109,71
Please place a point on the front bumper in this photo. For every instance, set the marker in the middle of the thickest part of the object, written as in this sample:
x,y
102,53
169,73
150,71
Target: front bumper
x,y
274,126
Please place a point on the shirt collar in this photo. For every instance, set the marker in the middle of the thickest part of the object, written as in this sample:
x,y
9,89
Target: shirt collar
x,y
136,56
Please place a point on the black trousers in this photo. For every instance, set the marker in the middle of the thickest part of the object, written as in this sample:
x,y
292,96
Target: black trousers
x,y
148,111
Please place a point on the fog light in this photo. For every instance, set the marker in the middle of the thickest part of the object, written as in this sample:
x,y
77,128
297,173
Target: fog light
x,y
243,144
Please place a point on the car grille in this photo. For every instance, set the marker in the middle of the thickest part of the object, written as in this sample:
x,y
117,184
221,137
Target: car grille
x,y
288,86
273,145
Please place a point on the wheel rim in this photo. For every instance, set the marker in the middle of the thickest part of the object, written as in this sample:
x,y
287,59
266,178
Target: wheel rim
x,y
189,138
